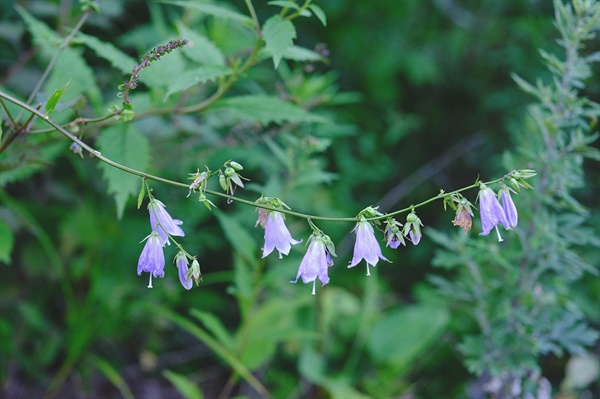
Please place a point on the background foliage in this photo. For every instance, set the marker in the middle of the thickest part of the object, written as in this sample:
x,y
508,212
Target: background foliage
x,y
392,101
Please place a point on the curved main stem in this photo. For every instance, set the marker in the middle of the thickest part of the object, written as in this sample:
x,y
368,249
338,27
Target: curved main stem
x,y
159,179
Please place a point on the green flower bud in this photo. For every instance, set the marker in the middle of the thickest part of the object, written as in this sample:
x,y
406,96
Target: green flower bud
x,y
223,182
229,172
236,165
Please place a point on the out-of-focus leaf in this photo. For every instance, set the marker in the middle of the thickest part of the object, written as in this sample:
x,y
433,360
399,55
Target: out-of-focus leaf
x,y
199,48
15,167
7,242
214,10
187,388
195,77
42,35
237,235
402,335
284,4
111,374
126,145
71,68
271,324
279,35
109,52
214,345
214,325
266,109
319,13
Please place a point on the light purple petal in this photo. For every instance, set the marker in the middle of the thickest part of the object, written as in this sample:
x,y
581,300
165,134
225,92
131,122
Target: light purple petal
x,y
277,235
415,237
314,264
163,223
490,211
510,210
366,246
184,277
152,258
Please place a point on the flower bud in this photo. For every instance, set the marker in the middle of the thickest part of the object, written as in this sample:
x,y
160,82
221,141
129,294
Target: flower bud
x,y
229,172
223,182
236,165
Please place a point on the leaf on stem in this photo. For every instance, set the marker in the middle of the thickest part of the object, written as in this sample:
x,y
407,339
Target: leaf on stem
x,y
279,35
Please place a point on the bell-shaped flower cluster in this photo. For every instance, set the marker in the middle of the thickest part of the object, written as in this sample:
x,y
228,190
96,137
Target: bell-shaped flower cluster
x,y
494,208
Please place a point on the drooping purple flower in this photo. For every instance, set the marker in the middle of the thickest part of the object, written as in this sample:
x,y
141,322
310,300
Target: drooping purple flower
x,y
315,263
366,246
277,235
185,277
509,208
162,222
394,239
491,212
152,258
412,228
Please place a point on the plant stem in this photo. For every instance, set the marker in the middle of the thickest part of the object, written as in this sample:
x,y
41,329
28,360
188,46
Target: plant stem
x,y
124,168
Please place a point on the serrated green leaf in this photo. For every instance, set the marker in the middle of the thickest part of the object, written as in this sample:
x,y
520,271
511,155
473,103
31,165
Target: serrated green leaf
x,y
266,109
214,10
279,35
199,48
319,13
107,51
187,388
54,99
71,67
295,53
7,242
42,35
196,77
126,145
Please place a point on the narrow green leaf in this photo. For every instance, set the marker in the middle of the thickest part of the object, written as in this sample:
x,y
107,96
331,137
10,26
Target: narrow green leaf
x,y
196,77
187,388
266,109
279,35
54,99
319,13
214,10
7,242
126,145
214,325
215,346
112,375
107,51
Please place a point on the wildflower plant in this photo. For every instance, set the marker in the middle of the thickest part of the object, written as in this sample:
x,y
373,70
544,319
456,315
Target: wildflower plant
x,y
510,280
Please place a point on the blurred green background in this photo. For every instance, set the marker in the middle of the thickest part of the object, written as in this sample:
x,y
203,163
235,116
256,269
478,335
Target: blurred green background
x,y
420,98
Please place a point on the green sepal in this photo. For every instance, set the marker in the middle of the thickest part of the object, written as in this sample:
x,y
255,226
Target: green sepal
x,y
142,194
